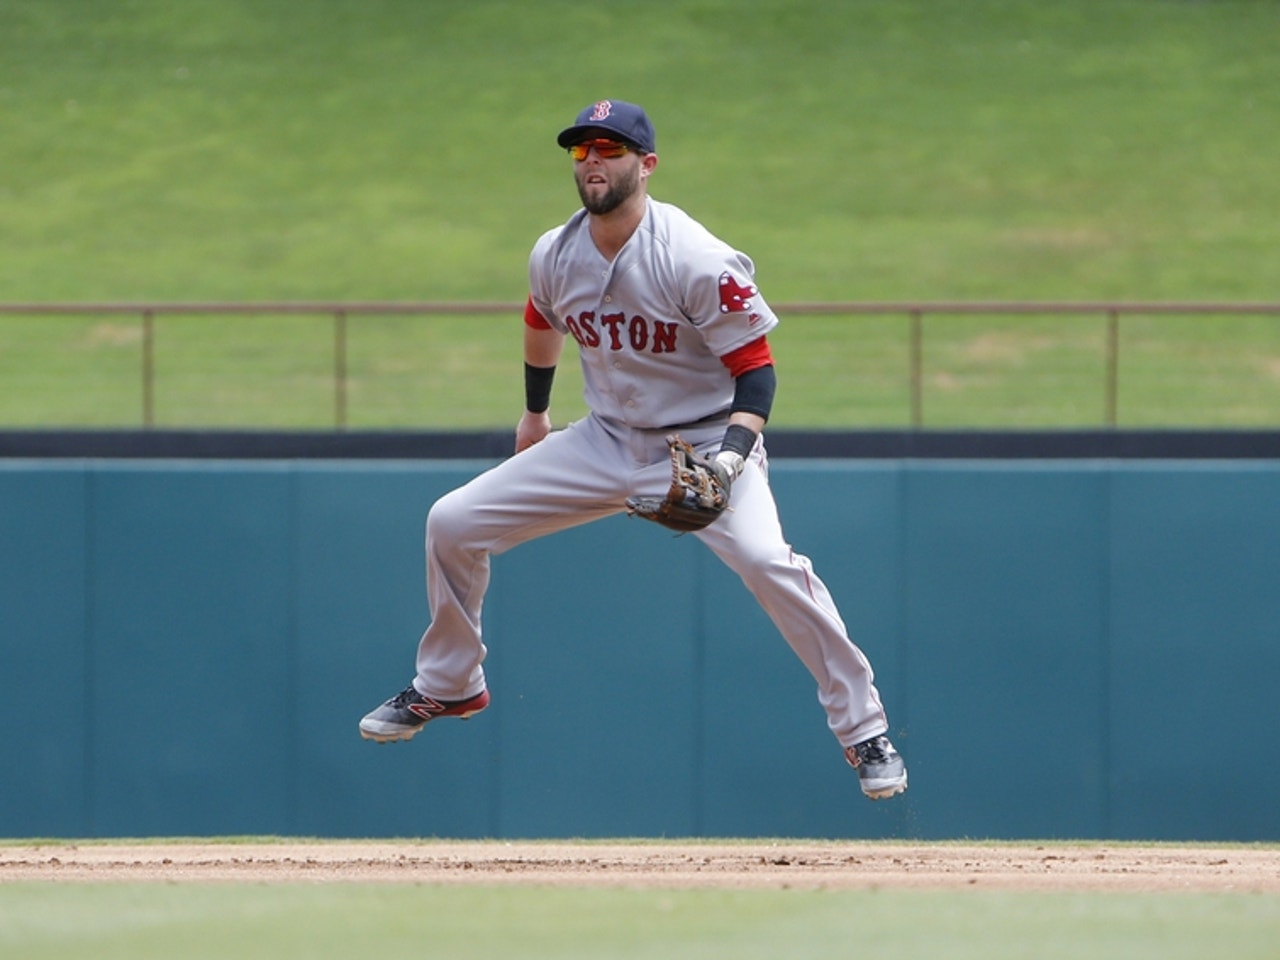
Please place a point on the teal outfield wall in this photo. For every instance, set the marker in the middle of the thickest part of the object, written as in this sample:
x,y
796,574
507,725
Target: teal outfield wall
x,y
1066,649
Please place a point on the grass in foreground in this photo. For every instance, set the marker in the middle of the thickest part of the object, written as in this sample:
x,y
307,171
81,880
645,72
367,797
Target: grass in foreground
x,y
142,921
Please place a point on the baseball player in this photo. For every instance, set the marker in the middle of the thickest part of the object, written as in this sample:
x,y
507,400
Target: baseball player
x,y
672,337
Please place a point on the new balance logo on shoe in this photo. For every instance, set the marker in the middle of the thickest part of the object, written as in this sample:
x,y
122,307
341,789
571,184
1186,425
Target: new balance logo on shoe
x,y
408,712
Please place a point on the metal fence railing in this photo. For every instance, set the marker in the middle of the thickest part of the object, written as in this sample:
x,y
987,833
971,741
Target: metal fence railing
x,y
1111,312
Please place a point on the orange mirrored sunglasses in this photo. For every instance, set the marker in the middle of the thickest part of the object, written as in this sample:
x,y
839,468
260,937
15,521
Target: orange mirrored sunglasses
x,y
605,149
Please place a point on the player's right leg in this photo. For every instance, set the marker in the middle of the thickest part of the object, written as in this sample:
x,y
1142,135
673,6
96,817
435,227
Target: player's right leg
x,y
572,477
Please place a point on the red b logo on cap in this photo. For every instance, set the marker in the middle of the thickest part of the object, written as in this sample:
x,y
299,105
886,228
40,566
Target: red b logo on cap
x,y
602,110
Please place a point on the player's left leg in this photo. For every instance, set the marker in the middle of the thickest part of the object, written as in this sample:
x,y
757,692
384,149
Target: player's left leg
x,y
749,539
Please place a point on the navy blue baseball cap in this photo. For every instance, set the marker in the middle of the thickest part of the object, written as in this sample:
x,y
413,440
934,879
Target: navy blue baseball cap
x,y
625,120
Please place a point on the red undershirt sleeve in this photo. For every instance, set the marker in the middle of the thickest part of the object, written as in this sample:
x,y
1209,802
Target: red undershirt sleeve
x,y
533,318
746,358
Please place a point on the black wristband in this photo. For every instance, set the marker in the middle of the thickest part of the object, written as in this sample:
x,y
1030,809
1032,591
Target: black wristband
x,y
537,387
739,439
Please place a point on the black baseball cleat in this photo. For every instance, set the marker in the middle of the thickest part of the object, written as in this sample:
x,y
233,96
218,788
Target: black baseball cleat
x,y
881,771
408,712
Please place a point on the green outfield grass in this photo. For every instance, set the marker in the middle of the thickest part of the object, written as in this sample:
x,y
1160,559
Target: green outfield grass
x,y
279,922
858,150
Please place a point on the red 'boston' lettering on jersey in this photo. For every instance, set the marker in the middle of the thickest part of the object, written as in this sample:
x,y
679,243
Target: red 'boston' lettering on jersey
x,y
641,334
613,321
664,337
735,297
583,329
638,331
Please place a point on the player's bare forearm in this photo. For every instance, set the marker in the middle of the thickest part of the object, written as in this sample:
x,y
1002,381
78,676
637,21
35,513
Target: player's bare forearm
x,y
542,348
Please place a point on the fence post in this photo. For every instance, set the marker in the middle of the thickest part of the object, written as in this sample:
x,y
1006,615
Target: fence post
x,y
1113,366
148,370
340,369
917,368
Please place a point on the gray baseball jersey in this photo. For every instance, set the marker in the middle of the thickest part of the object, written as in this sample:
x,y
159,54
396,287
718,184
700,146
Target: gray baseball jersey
x,y
652,324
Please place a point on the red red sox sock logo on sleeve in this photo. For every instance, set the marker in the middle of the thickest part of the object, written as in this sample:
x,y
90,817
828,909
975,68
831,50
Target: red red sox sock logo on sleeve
x,y
735,297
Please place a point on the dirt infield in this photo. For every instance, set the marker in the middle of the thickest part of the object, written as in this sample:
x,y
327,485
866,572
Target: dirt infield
x,y
726,865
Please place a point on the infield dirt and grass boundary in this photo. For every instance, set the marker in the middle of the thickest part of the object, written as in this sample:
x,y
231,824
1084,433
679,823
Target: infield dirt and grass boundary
x,y
737,864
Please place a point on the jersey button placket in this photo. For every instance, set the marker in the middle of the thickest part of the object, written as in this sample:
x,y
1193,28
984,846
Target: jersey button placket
x,y
617,361
615,364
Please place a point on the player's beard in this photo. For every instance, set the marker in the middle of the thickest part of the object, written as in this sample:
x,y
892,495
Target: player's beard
x,y
618,193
